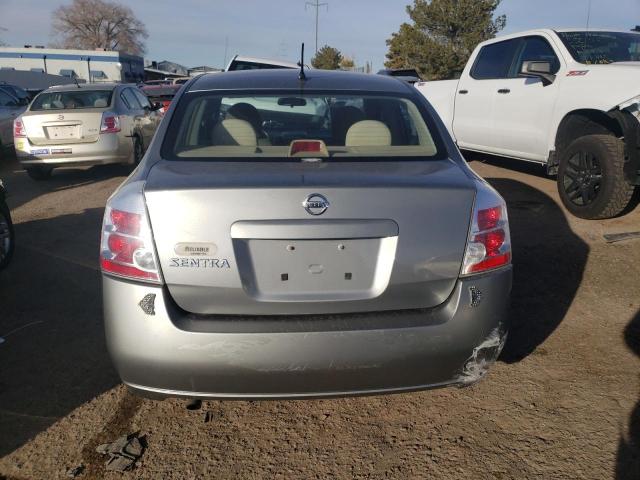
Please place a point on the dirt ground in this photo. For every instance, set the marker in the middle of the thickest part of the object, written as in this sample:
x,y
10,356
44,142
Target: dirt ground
x,y
562,402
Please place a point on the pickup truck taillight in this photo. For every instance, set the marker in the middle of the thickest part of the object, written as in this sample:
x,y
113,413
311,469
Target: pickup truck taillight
x,y
110,123
18,129
489,243
127,246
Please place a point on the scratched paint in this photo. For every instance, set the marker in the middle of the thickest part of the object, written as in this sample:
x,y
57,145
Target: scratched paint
x,y
483,356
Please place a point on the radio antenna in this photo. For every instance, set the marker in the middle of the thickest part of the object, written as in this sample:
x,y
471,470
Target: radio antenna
x,y
302,76
586,33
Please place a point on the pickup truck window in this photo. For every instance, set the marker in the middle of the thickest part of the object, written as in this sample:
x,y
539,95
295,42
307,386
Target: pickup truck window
x,y
536,49
596,48
494,60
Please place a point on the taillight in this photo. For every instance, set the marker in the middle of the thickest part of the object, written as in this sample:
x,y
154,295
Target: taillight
x,y
489,244
18,129
127,247
110,123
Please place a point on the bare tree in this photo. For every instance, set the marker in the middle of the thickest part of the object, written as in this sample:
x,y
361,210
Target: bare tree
x,y
91,24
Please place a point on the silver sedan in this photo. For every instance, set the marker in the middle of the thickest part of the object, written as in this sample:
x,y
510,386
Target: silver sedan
x,y
86,124
297,236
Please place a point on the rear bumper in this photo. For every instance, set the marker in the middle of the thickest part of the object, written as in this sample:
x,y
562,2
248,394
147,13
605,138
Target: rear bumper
x,y
173,354
107,149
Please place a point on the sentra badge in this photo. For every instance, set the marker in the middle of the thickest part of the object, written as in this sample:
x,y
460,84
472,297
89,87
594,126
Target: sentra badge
x,y
200,263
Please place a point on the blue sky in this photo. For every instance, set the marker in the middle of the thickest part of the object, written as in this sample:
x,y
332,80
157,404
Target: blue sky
x,y
193,32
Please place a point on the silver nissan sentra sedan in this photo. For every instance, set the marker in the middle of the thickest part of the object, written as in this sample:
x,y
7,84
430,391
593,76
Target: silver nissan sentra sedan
x,y
289,237
86,124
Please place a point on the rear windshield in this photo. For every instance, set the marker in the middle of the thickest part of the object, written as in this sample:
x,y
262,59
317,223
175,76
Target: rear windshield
x,y
237,65
73,99
213,126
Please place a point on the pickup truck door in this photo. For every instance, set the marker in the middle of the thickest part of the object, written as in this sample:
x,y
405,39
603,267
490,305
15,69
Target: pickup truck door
x,y
523,107
473,123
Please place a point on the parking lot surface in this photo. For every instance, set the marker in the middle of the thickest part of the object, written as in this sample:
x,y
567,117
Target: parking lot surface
x,y
562,402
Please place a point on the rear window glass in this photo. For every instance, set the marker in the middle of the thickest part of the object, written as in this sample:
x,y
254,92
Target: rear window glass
x,y
238,65
213,126
74,99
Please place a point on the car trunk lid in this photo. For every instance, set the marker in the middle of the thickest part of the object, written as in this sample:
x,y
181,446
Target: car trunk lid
x,y
63,126
235,238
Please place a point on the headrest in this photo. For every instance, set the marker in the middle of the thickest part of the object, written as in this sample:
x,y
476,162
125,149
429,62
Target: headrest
x,y
368,133
100,103
233,131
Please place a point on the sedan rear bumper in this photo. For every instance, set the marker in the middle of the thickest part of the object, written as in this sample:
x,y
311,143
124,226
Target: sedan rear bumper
x,y
107,149
173,354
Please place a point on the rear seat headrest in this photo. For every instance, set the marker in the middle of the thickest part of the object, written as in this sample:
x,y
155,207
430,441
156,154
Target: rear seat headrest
x,y
368,133
233,131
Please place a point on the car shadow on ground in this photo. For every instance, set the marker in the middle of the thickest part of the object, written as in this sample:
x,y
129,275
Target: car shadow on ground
x,y
549,261
53,356
628,459
22,189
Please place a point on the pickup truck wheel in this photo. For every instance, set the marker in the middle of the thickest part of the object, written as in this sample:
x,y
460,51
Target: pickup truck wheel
x,y
39,172
591,180
6,236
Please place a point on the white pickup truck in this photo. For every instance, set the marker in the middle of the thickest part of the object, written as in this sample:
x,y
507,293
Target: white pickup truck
x,y
568,99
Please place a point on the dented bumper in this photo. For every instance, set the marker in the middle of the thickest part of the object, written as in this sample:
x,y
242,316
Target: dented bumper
x,y
160,350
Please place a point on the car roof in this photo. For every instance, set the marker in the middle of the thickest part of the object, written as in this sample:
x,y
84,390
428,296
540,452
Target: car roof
x,y
549,31
288,79
87,86
595,30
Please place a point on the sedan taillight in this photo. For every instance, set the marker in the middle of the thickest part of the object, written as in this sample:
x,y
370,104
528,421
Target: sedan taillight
x,y
18,129
110,123
127,247
489,243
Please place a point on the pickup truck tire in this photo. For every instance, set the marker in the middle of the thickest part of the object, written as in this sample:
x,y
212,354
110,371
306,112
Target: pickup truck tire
x,y
591,181
39,173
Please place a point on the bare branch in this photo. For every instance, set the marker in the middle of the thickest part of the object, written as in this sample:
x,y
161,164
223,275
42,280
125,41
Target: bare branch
x,y
104,24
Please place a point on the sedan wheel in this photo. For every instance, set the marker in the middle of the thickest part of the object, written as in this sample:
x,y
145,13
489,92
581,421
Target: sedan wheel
x,y
6,237
138,151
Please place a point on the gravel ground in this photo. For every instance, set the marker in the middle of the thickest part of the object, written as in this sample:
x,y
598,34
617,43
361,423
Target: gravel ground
x,y
562,402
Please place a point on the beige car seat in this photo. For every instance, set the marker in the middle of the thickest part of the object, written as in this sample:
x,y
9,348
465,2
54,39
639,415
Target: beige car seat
x,y
233,131
368,133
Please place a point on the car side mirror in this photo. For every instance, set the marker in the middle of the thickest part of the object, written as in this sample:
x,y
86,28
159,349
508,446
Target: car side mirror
x,y
155,106
541,70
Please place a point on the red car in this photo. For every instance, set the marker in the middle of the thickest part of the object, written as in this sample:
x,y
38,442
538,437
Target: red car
x,y
161,94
